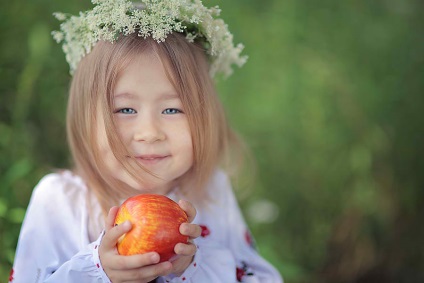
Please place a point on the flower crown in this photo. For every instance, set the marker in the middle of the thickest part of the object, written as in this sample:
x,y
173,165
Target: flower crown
x,y
156,18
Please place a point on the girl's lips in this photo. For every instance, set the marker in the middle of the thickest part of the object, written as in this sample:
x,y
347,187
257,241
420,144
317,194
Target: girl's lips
x,y
151,159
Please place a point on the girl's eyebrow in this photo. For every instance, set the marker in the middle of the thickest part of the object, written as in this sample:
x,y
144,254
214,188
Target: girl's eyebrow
x,y
169,96
124,95
165,96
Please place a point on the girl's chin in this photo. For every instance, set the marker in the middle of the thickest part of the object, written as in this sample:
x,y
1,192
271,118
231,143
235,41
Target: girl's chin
x,y
156,188
152,185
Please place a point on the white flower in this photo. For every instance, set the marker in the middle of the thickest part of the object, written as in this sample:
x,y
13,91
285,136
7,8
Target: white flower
x,y
59,16
155,18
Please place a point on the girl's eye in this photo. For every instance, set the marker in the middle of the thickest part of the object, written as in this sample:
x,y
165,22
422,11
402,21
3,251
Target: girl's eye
x,y
126,111
171,111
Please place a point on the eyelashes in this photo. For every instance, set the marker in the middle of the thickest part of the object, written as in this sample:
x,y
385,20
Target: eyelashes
x,y
126,111
171,111
167,111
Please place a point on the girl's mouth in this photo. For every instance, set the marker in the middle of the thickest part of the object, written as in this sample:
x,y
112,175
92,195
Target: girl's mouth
x,y
151,159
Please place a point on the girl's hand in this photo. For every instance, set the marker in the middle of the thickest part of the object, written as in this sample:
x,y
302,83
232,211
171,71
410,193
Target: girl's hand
x,y
135,268
185,252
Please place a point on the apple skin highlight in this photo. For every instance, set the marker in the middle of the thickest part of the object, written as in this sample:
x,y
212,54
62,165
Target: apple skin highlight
x,y
156,221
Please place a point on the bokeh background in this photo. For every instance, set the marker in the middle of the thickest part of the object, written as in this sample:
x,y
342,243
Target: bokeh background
x,y
330,103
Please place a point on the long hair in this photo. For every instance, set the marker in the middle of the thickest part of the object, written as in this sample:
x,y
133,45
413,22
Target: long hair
x,y
91,93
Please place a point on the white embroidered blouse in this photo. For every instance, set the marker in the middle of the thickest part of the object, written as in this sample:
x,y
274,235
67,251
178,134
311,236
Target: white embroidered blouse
x,y
58,244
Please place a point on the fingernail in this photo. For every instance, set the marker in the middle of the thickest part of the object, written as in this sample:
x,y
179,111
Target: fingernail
x,y
177,248
126,224
154,258
184,229
168,265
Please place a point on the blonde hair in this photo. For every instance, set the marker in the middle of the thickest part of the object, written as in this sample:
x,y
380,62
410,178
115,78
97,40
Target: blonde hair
x,y
91,91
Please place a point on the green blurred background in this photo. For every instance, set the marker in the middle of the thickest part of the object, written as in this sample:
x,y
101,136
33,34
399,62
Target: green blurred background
x,y
330,102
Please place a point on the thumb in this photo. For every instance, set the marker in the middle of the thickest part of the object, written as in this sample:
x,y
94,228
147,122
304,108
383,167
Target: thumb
x,y
112,236
110,220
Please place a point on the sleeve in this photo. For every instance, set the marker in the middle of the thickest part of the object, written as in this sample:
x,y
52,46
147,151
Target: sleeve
x,y
231,258
251,267
50,247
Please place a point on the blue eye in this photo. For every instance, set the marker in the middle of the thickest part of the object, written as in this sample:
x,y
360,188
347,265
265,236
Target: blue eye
x,y
171,111
126,111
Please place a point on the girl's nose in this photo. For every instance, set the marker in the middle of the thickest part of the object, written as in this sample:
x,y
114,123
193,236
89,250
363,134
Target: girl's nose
x,y
149,132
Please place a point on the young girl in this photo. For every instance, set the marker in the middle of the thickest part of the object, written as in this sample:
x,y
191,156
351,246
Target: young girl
x,y
143,117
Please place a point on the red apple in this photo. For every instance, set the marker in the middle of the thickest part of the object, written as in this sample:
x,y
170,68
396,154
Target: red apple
x,y
155,220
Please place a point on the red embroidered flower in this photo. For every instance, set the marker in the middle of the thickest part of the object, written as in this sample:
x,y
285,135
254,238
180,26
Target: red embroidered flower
x,y
11,275
205,231
249,239
243,271
240,273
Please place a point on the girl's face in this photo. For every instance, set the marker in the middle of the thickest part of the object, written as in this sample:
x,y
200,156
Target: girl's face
x,y
152,124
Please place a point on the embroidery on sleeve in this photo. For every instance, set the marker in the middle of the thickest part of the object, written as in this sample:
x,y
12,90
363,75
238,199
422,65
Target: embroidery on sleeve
x,y
11,275
243,271
205,231
249,239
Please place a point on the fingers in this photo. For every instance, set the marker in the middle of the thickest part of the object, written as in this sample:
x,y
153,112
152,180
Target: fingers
x,y
189,209
134,261
185,257
143,274
191,230
111,237
110,220
185,249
